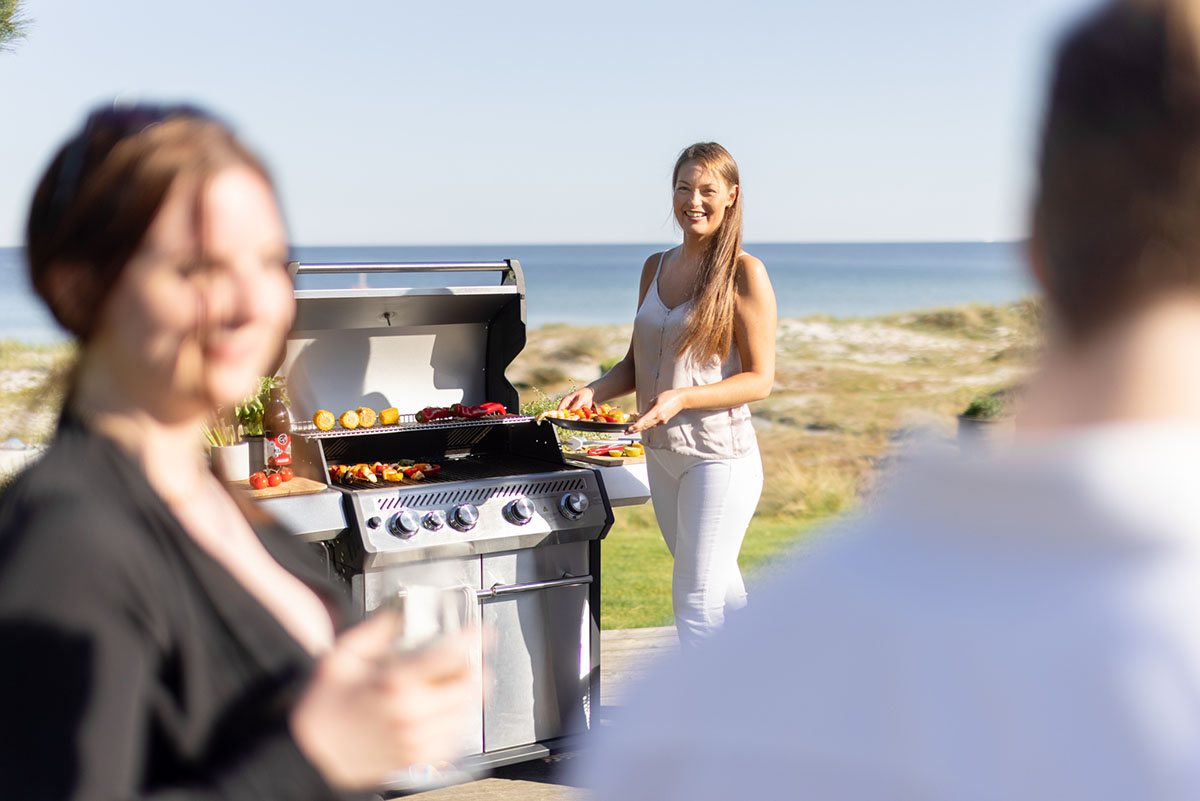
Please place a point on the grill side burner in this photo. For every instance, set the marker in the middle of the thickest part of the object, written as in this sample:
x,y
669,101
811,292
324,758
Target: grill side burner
x,y
517,525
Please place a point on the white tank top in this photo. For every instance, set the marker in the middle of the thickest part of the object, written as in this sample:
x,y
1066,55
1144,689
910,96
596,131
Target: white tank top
x,y
705,433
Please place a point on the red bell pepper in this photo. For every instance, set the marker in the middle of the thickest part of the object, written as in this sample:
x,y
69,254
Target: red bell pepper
x,y
605,449
490,408
431,413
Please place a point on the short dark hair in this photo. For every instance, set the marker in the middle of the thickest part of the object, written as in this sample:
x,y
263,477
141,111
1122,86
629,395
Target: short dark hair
x,y
1117,213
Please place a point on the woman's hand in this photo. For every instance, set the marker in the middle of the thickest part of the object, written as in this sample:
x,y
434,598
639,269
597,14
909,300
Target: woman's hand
x,y
668,404
368,712
577,399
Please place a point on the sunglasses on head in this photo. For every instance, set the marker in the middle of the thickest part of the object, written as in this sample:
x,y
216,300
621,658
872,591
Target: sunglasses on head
x,y
104,128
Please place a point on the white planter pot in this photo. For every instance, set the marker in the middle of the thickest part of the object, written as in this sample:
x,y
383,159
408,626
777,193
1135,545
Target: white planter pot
x,y
231,462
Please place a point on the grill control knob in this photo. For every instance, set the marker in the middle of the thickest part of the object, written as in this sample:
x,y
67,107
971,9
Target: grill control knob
x,y
464,517
434,520
404,524
573,505
519,511
374,522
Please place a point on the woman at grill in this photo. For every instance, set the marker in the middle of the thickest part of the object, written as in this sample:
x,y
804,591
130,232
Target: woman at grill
x,y
703,347
159,639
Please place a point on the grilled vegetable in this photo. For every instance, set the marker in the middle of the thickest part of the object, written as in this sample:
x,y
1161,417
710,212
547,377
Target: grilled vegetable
x,y
389,416
366,417
459,410
604,413
401,473
349,419
489,408
363,472
431,413
323,420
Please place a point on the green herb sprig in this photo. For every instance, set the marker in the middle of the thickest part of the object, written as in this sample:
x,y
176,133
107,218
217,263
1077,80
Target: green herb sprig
x,y
249,412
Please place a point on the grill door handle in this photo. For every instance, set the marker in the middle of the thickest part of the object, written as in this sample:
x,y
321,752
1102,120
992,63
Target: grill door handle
x,y
512,589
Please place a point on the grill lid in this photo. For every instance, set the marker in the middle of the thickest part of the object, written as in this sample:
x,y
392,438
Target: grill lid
x,y
406,346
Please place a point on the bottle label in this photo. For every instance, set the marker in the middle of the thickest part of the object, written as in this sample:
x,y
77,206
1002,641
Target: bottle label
x,y
279,450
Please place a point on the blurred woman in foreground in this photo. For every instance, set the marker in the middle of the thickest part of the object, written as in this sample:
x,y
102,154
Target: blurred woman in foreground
x,y
156,641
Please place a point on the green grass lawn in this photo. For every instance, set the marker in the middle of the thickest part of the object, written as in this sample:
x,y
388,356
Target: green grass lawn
x,y
636,566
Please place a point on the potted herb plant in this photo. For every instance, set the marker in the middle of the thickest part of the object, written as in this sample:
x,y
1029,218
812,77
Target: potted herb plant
x,y
228,452
987,422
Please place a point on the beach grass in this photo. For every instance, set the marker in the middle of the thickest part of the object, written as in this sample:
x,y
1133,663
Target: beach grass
x,y
844,390
33,381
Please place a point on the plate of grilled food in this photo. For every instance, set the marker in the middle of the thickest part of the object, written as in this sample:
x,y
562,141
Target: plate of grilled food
x,y
601,418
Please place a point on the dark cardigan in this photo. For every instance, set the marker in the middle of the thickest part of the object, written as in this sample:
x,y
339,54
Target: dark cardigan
x,y
132,665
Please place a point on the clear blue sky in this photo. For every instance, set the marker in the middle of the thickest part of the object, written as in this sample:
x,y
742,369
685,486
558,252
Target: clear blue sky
x,y
520,122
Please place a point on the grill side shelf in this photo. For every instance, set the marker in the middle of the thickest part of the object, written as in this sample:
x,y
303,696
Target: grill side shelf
x,y
407,422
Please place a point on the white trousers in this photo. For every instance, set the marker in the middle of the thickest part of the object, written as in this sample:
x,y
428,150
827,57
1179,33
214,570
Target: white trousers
x,y
703,507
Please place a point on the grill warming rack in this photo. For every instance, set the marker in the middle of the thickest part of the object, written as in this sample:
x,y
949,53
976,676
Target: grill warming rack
x,y
460,434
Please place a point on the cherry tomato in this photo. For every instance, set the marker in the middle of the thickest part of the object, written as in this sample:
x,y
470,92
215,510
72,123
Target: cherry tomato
x,y
286,473
274,480
259,481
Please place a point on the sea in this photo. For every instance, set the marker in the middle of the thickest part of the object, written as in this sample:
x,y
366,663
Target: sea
x,y
597,284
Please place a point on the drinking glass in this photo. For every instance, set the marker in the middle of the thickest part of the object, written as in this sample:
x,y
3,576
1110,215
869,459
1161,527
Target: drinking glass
x,y
429,604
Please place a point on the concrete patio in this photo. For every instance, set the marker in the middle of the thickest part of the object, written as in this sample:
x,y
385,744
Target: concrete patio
x,y
625,656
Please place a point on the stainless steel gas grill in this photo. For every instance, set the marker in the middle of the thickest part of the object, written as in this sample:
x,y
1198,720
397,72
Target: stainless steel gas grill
x,y
505,515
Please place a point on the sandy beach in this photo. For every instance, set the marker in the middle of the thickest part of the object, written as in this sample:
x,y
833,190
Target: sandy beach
x,y
842,385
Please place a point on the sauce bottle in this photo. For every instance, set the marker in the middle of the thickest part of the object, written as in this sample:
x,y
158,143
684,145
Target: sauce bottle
x,y
277,430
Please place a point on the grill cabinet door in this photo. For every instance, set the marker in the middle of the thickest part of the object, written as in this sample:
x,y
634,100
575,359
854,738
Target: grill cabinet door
x,y
540,648
378,585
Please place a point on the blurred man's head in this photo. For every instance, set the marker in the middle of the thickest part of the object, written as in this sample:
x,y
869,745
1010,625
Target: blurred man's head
x,y
1117,214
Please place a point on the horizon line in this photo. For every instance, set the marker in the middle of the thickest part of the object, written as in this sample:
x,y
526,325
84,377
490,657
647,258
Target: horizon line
x,y
752,242
654,243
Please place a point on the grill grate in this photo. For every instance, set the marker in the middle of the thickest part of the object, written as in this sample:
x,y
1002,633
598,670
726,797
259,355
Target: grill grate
x,y
475,469
408,422
458,434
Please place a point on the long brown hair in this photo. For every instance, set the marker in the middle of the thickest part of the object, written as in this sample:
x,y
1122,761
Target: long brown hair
x,y
708,330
